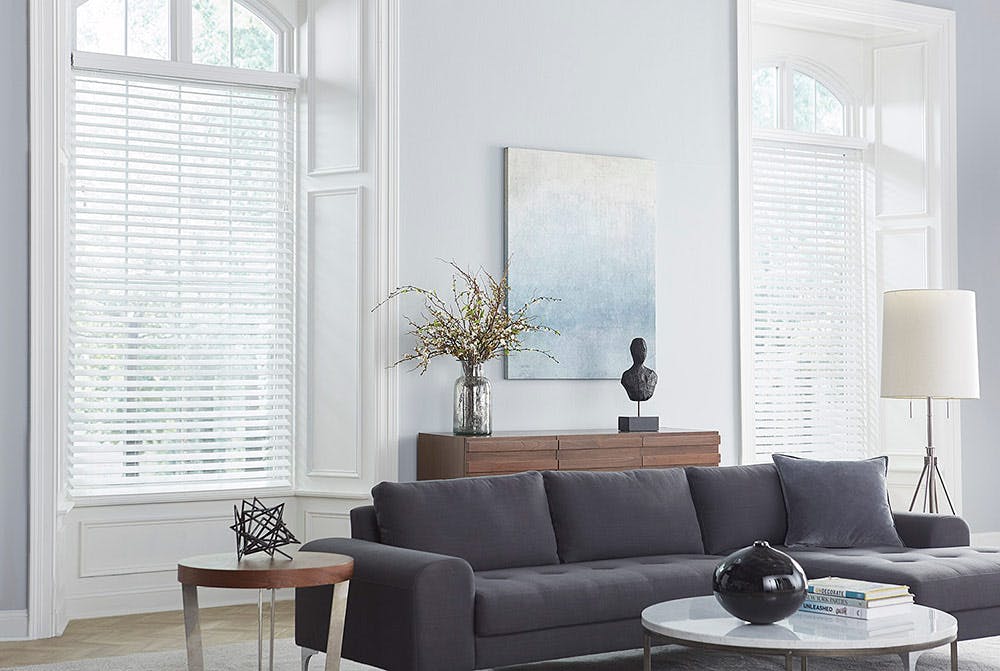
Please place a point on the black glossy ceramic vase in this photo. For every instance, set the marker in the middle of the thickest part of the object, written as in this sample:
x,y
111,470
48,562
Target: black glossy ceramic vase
x,y
759,584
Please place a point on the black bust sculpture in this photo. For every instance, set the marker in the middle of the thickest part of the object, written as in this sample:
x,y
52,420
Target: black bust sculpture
x,y
639,383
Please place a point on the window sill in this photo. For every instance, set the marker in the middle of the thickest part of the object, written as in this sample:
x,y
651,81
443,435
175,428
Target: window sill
x,y
179,497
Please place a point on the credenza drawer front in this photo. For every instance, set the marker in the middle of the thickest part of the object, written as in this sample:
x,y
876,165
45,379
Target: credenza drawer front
x,y
617,458
525,444
506,462
592,442
666,457
680,440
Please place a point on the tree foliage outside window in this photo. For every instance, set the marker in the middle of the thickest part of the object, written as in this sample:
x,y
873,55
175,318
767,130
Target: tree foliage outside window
x,y
224,32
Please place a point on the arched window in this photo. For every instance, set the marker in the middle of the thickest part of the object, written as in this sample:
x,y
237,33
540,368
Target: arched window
x,y
784,97
229,33
179,263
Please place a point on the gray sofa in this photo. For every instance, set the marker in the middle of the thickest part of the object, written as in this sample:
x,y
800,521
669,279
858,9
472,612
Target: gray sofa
x,y
475,573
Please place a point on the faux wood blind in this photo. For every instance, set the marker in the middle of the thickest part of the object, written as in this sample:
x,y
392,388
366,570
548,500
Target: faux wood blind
x,y
180,285
813,385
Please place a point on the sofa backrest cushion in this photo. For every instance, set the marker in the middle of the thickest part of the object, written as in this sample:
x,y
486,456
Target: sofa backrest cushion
x,y
738,505
491,522
610,515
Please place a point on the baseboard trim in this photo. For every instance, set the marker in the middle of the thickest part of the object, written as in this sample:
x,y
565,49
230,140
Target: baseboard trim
x,y
989,538
13,625
155,600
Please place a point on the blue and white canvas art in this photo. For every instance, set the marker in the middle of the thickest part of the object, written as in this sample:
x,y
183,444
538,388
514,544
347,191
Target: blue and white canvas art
x,y
581,228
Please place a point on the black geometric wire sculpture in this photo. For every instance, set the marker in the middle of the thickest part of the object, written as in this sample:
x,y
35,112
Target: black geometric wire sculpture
x,y
260,529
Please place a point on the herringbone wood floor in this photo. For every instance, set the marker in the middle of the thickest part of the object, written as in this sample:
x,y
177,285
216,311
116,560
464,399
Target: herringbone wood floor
x,y
149,632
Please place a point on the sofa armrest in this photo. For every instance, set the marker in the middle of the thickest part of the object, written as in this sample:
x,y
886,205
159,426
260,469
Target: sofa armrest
x,y
406,610
923,530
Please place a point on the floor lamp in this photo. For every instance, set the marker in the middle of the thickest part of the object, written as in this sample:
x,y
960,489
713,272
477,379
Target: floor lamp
x,y
930,351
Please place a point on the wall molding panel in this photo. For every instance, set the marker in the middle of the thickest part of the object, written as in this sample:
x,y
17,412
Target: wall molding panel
x,y
335,87
336,314
103,552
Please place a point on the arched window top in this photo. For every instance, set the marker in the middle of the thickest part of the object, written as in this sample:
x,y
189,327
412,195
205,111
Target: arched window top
x,y
789,97
241,34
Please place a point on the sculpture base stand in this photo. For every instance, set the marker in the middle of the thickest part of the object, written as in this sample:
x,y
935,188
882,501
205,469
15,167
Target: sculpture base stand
x,y
629,424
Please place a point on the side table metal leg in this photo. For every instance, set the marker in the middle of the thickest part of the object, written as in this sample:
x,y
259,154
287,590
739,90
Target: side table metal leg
x,y
270,649
192,628
954,655
788,662
338,613
260,630
804,664
909,659
647,654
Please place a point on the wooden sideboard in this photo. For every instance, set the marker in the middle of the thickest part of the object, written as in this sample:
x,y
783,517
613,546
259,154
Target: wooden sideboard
x,y
446,455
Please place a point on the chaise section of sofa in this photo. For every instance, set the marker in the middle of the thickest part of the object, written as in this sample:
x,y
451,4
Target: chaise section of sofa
x,y
476,573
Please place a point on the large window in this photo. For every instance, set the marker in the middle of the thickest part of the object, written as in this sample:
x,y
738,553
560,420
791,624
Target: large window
x,y
812,335
179,261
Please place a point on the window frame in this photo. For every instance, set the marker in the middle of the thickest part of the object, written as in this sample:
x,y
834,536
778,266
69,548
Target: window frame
x,y
786,65
181,38
68,59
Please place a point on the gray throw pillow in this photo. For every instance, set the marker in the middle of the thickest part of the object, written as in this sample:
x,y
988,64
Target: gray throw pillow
x,y
836,504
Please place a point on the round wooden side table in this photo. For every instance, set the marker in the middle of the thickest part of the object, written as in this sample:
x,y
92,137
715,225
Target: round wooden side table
x,y
305,569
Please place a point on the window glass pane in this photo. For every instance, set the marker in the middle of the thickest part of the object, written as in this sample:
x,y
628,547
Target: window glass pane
x,y
765,97
148,29
100,26
803,103
211,30
829,112
254,43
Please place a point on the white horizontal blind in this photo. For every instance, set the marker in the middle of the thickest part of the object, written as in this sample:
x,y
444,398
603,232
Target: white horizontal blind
x,y
179,285
812,330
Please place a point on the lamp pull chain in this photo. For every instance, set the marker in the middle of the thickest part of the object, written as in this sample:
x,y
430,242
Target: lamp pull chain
x,y
911,409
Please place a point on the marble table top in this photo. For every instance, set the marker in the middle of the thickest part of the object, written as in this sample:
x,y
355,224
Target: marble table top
x,y
702,620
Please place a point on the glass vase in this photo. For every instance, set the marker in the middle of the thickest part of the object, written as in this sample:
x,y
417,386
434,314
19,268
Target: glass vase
x,y
472,402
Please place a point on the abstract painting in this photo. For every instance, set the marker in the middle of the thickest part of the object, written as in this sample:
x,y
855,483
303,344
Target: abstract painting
x,y
581,228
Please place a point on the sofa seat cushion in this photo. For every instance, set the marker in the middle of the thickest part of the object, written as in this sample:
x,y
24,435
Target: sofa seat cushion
x,y
949,579
491,522
540,597
622,514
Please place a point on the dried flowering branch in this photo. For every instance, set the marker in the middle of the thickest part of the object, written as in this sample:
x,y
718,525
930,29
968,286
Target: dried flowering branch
x,y
474,325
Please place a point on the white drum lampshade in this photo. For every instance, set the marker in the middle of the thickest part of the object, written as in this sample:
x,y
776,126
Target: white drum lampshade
x,y
929,344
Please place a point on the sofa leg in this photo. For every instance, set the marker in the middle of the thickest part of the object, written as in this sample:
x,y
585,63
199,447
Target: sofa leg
x,y
307,654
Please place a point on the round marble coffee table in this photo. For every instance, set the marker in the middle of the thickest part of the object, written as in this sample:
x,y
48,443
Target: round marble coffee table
x,y
700,622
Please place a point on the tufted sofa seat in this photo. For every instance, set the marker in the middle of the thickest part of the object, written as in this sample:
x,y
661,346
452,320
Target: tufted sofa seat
x,y
476,573
540,597
949,579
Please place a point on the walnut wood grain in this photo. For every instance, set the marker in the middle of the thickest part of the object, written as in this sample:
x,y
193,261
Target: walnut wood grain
x,y
491,462
582,460
446,455
679,439
305,569
577,442
511,444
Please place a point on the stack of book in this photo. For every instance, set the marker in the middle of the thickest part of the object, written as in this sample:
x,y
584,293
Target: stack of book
x,y
856,599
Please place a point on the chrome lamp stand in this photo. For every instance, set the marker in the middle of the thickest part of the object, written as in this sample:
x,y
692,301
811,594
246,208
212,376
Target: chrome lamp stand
x,y
930,476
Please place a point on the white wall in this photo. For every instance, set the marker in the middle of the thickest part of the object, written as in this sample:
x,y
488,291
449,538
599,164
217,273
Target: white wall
x,y
643,78
979,244
14,310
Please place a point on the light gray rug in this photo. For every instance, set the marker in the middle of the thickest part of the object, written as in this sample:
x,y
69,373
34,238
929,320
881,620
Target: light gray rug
x,y
979,655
